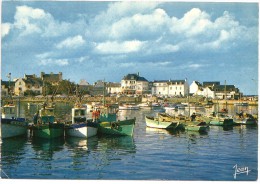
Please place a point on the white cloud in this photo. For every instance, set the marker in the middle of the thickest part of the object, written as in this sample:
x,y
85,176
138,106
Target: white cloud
x,y
5,29
192,23
29,20
51,62
71,42
119,47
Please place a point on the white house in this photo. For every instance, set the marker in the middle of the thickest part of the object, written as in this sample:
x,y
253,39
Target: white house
x,y
170,87
113,88
134,84
195,87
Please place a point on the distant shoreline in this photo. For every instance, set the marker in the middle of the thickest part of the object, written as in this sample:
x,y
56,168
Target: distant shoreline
x,y
136,100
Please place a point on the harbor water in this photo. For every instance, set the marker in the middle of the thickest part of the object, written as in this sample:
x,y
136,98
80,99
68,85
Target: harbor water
x,y
151,154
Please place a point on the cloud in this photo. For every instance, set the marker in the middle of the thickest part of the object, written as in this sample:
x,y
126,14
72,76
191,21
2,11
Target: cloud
x,y
5,29
119,47
29,20
51,62
71,42
126,31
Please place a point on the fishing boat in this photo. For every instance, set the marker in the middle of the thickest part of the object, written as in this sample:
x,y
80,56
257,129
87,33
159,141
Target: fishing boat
x,y
44,125
241,104
221,120
145,106
245,119
164,121
108,123
79,126
124,127
129,107
11,125
197,126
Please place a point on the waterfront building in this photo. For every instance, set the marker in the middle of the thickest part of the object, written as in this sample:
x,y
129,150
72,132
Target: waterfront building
x,y
113,88
178,88
214,90
28,84
52,78
195,87
98,88
85,87
226,92
134,84
5,85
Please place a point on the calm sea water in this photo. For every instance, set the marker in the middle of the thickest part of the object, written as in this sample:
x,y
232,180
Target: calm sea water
x,y
151,154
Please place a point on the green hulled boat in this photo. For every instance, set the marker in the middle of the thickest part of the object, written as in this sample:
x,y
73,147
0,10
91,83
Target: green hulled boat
x,y
197,126
163,121
124,127
221,121
106,116
44,124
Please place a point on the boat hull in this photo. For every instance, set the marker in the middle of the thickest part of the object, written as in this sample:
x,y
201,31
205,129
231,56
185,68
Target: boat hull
x,y
83,130
13,128
48,131
196,128
153,123
246,121
125,127
220,122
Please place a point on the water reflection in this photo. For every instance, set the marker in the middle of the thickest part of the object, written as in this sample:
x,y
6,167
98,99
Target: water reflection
x,y
12,149
46,148
12,154
163,131
75,143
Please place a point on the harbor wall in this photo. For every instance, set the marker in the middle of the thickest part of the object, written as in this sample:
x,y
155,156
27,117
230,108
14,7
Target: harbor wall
x,y
126,99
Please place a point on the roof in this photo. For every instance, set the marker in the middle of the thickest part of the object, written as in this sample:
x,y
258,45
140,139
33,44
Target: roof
x,y
198,83
6,83
112,84
134,77
30,76
225,87
33,81
205,84
169,81
51,77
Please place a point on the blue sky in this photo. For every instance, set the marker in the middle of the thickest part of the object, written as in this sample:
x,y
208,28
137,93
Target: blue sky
x,y
107,40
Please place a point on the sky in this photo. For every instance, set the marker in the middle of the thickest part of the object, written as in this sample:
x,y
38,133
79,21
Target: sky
x,y
107,40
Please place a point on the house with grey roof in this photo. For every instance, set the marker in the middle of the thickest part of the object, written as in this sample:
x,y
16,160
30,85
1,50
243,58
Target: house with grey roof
x,y
28,83
215,90
7,87
134,84
195,87
170,88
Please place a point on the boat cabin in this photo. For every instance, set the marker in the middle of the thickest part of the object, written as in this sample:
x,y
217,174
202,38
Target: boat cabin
x,y
8,111
79,114
108,113
47,114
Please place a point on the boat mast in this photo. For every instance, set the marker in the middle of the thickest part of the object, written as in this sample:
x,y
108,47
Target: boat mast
x,y
104,87
78,97
226,94
9,87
